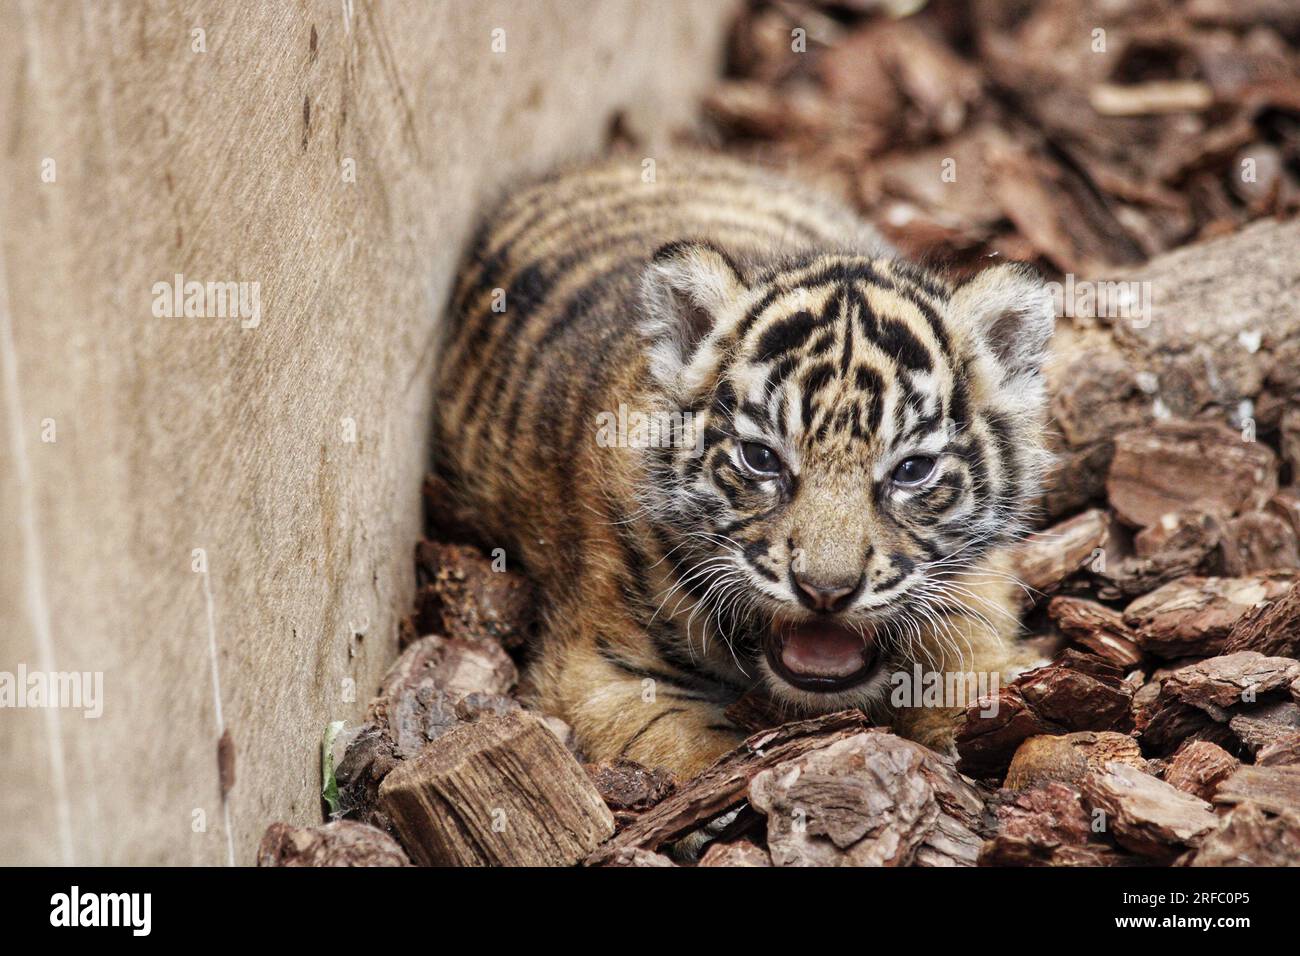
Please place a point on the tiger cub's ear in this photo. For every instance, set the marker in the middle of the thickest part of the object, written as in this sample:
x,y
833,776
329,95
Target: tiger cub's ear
x,y
688,290
1009,311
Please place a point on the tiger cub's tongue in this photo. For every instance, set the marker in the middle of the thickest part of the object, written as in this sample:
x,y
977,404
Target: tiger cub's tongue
x,y
818,649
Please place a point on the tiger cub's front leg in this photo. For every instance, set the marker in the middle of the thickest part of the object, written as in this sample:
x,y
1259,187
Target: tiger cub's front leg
x,y
624,703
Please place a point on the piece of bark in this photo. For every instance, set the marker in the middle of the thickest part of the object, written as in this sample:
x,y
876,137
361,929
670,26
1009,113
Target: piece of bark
x,y
871,800
1178,531
630,789
1046,558
465,595
1068,758
738,853
1046,826
473,706
370,756
419,695
1173,723
1286,503
1098,628
1079,692
722,785
754,711
1280,753
500,791
1194,616
1260,727
341,843
1179,544
1230,679
993,730
1247,836
1275,789
1199,767
1177,465
633,856
1145,815
1257,541
1272,627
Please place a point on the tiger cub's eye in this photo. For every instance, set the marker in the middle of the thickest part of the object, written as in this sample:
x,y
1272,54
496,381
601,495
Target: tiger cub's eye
x,y
914,470
759,458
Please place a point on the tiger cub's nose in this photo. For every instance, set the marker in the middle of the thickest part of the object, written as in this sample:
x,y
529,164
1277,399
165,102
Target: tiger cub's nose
x,y
821,596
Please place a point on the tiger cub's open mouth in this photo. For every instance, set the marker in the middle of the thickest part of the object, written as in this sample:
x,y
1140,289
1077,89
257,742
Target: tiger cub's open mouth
x,y
821,656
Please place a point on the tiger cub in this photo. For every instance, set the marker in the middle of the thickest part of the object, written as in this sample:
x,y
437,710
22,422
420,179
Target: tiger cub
x,y
739,445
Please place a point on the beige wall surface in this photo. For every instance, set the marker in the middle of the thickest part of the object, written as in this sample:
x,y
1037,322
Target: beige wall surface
x,y
135,149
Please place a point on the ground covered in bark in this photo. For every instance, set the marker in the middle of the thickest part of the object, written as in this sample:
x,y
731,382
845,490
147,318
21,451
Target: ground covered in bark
x,y
1155,145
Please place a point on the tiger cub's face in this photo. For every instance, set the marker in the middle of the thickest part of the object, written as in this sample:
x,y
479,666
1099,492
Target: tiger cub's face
x,y
866,435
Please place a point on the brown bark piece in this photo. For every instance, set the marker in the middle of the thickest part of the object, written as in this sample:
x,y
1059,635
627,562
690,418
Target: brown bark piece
x,y
1199,767
1146,815
1079,692
1046,826
1261,727
1280,753
754,711
723,784
739,853
1230,679
630,789
465,595
1275,789
419,695
1247,836
1176,465
871,800
636,857
1194,616
1045,559
1271,628
1098,628
1257,541
1068,758
342,843
501,791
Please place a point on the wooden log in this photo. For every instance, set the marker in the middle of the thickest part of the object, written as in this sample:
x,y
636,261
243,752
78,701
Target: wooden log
x,y
501,791
722,786
1194,616
342,843
1246,836
1068,758
1098,628
1199,767
1146,815
1177,465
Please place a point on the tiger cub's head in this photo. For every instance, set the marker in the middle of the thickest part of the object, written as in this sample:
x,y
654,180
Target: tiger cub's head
x,y
867,434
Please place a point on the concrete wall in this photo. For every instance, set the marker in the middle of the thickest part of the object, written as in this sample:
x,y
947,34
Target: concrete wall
x,y
129,440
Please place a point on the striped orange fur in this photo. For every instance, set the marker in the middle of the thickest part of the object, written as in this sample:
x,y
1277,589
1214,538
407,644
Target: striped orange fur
x,y
724,428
